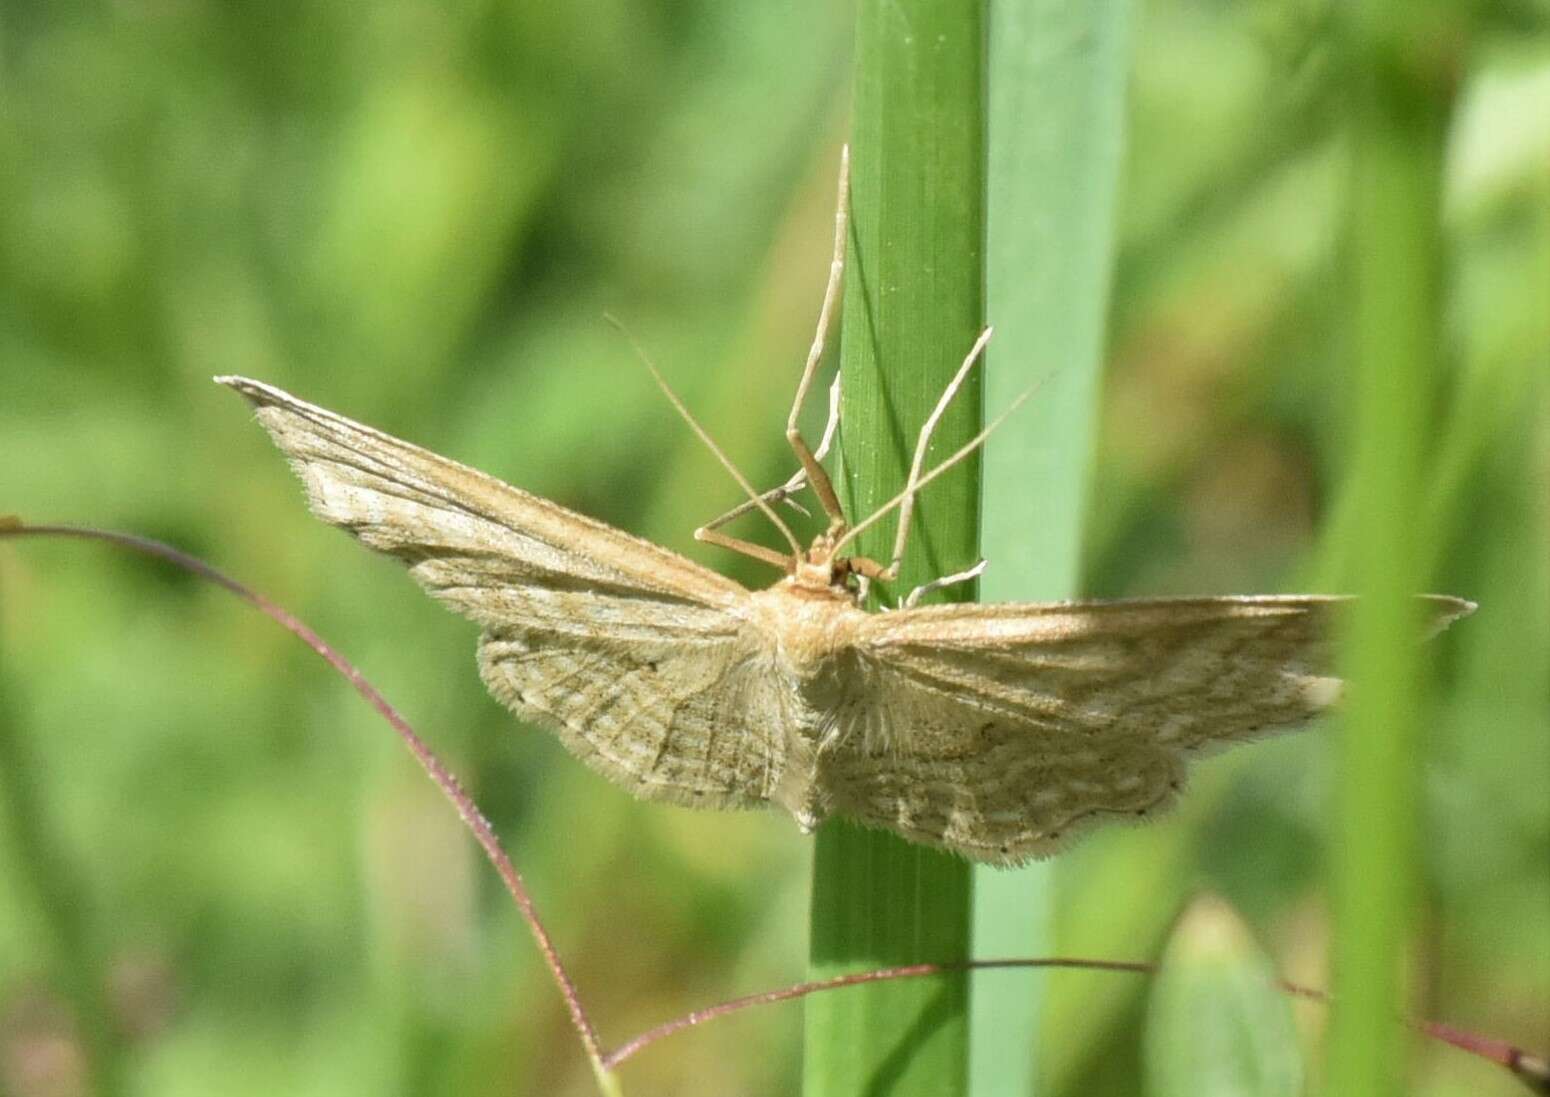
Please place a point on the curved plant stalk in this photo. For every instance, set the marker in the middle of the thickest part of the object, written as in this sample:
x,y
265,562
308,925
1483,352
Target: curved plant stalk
x,y
476,823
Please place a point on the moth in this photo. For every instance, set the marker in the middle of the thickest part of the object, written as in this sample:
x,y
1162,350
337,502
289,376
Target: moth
x,y
994,731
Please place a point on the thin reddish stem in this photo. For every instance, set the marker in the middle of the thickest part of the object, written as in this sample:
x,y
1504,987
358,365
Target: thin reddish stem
x,y
483,833
1533,1070
839,982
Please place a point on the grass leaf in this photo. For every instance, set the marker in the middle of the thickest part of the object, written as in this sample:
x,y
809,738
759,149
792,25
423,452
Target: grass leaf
x,y
914,303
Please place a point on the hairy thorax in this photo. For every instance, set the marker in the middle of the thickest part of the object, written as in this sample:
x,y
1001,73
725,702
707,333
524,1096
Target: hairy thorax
x,y
814,651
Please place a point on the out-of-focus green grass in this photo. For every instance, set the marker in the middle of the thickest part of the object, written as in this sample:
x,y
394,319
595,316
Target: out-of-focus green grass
x,y
416,215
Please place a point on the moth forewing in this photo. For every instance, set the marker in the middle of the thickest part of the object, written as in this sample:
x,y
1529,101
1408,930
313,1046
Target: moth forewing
x,y
627,651
466,535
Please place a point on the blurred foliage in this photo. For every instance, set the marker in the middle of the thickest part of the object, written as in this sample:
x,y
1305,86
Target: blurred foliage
x,y
1217,1024
416,214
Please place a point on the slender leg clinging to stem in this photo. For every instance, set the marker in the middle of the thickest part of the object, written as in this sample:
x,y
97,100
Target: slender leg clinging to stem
x,y
812,473
816,476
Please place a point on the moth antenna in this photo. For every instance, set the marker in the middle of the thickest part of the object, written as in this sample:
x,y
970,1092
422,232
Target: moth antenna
x,y
968,448
911,485
694,425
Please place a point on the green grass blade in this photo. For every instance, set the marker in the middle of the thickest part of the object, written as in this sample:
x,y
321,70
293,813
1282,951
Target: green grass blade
x,y
41,871
913,305
1057,123
1400,110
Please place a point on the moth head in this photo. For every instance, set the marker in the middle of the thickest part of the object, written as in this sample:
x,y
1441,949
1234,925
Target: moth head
x,y
824,569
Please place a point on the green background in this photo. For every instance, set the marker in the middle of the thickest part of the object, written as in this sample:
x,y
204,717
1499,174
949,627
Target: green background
x,y
416,214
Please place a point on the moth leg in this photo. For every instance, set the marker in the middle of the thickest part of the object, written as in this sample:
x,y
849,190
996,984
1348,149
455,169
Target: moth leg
x,y
747,548
798,481
945,581
782,494
823,487
913,485
876,570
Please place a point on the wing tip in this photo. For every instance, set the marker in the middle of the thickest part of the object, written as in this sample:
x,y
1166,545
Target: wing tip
x,y
1447,609
256,392
1450,607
